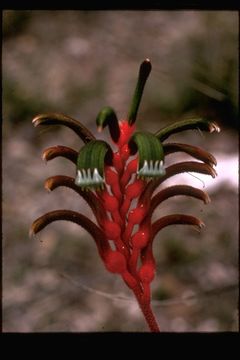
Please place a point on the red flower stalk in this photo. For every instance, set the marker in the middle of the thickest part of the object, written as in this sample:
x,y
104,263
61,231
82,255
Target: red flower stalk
x,y
118,185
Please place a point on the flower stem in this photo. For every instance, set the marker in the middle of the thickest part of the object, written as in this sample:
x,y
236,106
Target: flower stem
x,y
147,312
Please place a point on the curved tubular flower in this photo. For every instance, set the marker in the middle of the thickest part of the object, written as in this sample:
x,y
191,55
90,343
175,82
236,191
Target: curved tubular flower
x,y
188,124
175,219
77,218
91,199
177,190
59,150
119,187
178,168
61,119
194,151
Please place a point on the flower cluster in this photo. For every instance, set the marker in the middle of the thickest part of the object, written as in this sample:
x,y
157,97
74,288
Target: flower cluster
x,y
118,183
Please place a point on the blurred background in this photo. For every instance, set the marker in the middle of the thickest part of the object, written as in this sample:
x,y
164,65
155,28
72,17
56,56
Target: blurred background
x,y
76,62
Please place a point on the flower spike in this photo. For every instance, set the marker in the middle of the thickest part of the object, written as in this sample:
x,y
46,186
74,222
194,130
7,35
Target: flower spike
x,y
144,72
128,177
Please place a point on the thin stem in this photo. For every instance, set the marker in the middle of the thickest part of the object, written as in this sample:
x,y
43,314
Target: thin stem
x,y
147,313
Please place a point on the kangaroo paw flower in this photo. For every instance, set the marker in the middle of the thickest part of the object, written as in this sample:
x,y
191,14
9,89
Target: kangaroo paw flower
x,y
118,185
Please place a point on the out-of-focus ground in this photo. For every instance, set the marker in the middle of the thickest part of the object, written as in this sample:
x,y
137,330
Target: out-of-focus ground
x,y
76,62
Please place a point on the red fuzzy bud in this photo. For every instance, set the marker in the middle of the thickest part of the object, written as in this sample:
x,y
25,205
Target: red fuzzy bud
x,y
112,230
115,262
140,239
126,131
111,176
147,273
136,215
125,152
135,189
132,166
130,169
110,202
117,161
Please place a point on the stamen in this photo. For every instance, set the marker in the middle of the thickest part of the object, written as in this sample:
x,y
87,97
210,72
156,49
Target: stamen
x,y
86,179
152,169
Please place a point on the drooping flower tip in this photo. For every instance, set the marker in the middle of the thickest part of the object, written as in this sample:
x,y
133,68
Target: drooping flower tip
x,y
213,172
36,120
48,185
214,127
31,233
207,199
201,224
45,157
35,228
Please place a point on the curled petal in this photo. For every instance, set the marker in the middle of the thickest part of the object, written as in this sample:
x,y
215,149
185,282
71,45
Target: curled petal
x,y
194,151
108,117
59,150
75,217
185,166
178,190
92,200
175,219
188,166
188,124
61,119
144,71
